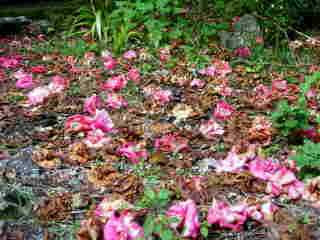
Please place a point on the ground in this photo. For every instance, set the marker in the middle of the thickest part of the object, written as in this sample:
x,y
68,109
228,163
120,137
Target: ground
x,y
101,126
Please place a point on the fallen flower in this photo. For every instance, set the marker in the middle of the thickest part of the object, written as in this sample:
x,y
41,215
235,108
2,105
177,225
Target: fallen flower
x,y
92,103
115,83
96,139
107,207
197,83
58,84
162,96
39,69
222,68
171,143
110,63
232,163
211,129
10,62
25,80
134,152
38,95
187,218
129,55
78,123
223,111
134,75
102,121
115,101
226,216
243,52
122,227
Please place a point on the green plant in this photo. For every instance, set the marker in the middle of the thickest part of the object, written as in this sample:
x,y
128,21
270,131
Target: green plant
x,y
290,118
154,200
159,225
308,159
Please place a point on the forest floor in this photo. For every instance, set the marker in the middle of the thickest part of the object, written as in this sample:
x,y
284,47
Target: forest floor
x,y
77,127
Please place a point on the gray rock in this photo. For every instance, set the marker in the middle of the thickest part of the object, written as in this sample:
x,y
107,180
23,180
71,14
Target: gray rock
x,y
13,24
246,30
21,164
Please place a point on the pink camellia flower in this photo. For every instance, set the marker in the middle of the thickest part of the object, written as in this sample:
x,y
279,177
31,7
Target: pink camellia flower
x,y
224,90
25,81
197,83
121,226
232,163
78,123
164,54
134,152
58,84
209,71
89,57
39,69
107,207
110,63
115,83
187,218
222,68
223,110
232,217
243,52
262,169
162,96
284,181
92,103
134,75
130,55
96,139
171,143
279,85
10,62
38,95
211,129
115,101
102,121
262,212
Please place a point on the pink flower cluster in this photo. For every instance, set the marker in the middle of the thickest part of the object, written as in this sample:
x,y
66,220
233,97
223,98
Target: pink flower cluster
x,y
171,143
134,152
121,226
234,217
280,179
223,111
40,94
218,69
187,218
243,52
116,101
24,81
9,62
120,223
115,83
211,129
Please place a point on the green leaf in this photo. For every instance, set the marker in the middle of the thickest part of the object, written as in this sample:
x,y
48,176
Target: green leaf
x,y
149,225
204,231
166,234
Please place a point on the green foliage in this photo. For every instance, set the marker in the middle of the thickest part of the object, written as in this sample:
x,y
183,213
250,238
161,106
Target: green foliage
x,y
159,225
155,200
308,158
289,118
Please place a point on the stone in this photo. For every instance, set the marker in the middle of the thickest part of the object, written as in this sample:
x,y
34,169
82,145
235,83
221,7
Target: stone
x,y
246,30
13,24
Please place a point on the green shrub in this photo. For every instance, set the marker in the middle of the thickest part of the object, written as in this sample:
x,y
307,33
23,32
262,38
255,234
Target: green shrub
x,y
308,159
